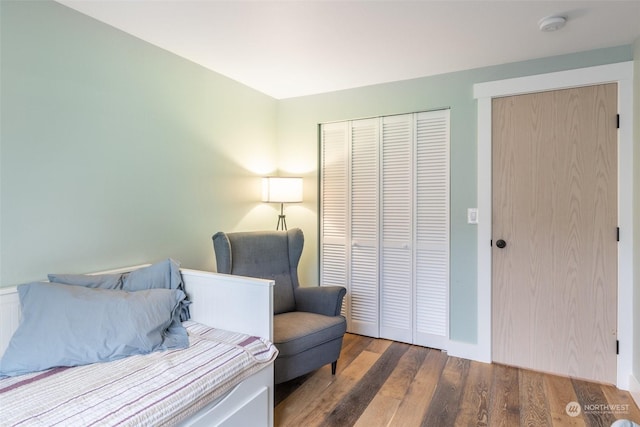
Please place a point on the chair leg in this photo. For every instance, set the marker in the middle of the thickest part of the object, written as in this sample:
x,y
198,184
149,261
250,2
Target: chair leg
x,y
334,365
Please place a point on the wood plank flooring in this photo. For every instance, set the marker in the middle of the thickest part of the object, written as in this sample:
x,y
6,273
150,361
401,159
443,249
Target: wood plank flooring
x,y
386,383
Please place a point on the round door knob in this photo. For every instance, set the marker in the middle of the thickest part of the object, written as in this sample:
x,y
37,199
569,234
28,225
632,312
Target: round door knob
x,y
501,244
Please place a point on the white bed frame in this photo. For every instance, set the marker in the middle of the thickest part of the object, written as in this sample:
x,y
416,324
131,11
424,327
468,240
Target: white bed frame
x,y
234,303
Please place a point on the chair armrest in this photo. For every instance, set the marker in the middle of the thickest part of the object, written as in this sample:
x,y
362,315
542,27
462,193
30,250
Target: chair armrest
x,y
325,300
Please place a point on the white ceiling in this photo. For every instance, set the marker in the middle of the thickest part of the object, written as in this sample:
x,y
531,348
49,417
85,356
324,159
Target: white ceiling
x,y
295,48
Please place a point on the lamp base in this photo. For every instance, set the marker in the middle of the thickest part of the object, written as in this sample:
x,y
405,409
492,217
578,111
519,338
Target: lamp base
x,y
282,222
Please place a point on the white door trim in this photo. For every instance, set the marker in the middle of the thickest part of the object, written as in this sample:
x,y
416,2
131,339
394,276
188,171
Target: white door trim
x,y
621,73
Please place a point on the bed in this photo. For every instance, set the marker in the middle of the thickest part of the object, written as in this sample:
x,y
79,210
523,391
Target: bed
x,y
220,327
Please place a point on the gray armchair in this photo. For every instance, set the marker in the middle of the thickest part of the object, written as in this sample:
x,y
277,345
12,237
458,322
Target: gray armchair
x,y
307,325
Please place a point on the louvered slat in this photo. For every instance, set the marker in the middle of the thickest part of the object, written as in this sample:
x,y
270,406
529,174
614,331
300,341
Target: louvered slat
x,y
432,228
396,315
364,178
397,200
364,226
333,207
334,181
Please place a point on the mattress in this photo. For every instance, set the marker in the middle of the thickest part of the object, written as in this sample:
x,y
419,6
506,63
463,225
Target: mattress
x,y
156,389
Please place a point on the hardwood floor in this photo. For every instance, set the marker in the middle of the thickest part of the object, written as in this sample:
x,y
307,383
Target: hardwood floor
x,y
385,383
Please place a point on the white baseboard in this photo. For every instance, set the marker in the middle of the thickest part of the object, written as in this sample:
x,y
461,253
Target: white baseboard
x,y
468,351
634,389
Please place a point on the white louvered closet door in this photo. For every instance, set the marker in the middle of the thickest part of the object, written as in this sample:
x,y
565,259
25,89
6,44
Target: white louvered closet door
x,y
432,229
363,283
334,196
385,224
396,275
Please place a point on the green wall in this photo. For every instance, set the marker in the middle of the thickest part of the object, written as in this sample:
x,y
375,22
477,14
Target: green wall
x,y
298,120
115,152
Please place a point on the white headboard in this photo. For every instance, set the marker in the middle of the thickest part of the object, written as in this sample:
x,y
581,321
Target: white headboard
x,y
9,315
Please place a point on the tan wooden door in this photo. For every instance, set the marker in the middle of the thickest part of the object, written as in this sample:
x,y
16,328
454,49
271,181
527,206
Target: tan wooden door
x,y
555,207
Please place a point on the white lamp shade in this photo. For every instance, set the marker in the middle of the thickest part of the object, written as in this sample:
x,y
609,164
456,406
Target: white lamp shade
x,y
281,189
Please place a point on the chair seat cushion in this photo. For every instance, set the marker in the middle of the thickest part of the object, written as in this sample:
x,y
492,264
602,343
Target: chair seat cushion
x,y
297,331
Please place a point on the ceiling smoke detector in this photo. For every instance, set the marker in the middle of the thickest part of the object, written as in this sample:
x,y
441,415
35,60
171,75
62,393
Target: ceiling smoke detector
x,y
552,23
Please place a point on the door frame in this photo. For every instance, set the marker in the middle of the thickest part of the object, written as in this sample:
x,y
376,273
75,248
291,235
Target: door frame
x,y
622,74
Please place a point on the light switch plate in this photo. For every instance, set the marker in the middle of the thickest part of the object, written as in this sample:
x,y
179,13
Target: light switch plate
x,y
472,215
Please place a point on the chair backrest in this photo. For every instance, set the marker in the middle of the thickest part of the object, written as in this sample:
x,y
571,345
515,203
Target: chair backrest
x,y
264,254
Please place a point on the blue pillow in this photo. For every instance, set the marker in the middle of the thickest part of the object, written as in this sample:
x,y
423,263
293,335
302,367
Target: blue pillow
x,y
66,325
104,281
164,274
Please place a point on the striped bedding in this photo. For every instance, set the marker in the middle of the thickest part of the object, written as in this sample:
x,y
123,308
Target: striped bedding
x,y
156,389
